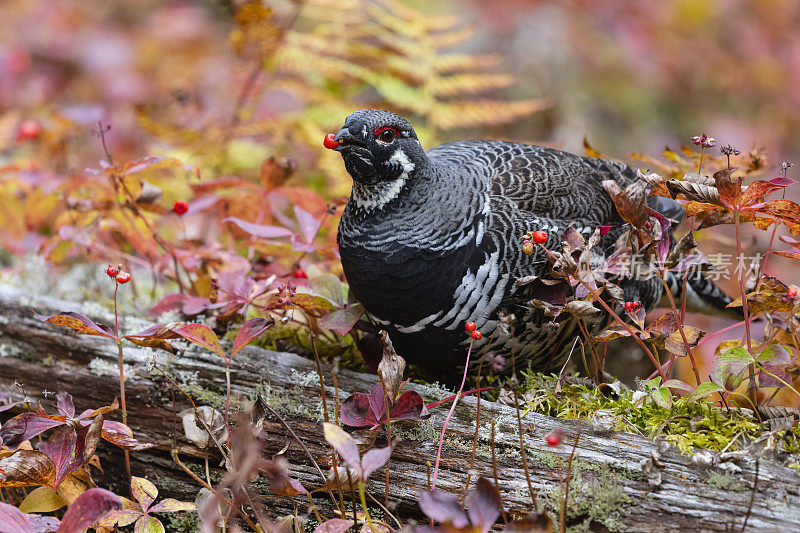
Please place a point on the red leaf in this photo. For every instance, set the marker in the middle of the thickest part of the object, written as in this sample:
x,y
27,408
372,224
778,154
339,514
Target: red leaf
x,y
258,230
250,330
730,190
409,406
121,435
356,411
24,427
334,525
342,320
443,508
65,405
88,508
201,335
374,459
757,189
309,226
82,324
344,445
483,505
70,449
12,520
172,302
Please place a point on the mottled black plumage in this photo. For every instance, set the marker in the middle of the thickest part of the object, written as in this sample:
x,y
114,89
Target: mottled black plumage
x,y
430,240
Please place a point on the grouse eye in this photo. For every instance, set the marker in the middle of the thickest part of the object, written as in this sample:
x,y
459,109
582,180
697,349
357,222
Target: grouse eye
x,y
386,134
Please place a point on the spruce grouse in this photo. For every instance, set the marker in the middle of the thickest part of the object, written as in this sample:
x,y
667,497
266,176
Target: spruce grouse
x,y
431,240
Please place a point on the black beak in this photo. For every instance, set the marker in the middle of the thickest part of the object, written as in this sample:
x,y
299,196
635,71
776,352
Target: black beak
x,y
346,139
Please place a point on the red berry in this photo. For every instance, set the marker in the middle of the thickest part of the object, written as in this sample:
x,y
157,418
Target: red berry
x,y
300,273
791,292
470,326
18,61
28,130
632,306
329,142
553,440
181,207
539,237
111,271
123,277
477,335
527,247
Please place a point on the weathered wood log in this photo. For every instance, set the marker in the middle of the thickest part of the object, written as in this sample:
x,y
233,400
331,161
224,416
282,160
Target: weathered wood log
x,y
614,493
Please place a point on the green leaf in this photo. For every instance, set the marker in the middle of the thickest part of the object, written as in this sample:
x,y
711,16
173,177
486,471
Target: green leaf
x,y
663,397
704,389
148,524
678,384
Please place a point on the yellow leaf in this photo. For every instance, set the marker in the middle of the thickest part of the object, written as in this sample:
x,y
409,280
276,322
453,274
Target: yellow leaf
x,y
42,500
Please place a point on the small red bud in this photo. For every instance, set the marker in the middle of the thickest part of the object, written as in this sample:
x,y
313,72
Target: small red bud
x,y
329,142
470,326
791,292
123,277
180,207
553,440
28,131
111,271
539,237
477,335
300,273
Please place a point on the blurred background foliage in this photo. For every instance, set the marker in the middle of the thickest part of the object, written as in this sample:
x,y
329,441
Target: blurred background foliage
x,y
241,92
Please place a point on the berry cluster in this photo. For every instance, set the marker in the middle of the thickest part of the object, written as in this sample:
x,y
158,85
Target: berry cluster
x,y
704,141
791,292
116,273
533,237
471,328
632,306
729,150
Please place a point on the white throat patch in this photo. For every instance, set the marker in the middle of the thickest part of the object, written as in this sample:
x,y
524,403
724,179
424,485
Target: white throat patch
x,y
371,197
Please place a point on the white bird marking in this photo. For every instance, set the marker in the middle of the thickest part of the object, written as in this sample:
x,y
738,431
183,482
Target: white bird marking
x,y
371,197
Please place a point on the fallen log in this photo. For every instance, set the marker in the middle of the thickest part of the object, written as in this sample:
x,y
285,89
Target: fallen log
x,y
609,488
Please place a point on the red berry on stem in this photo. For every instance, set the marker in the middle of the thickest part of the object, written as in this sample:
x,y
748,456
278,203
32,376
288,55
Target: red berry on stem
x,y
28,130
632,306
477,335
300,273
123,277
111,271
553,440
470,326
791,292
527,247
329,141
539,237
180,207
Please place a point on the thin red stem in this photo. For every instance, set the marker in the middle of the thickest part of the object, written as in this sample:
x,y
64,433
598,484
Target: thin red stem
x,y
446,420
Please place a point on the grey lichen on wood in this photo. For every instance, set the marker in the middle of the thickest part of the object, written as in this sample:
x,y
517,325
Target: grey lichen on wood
x,y
685,499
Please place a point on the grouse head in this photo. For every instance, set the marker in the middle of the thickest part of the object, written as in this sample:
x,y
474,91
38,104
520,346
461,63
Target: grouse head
x,y
378,147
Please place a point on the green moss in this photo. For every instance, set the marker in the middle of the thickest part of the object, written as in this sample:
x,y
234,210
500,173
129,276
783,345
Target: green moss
x,y
686,425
